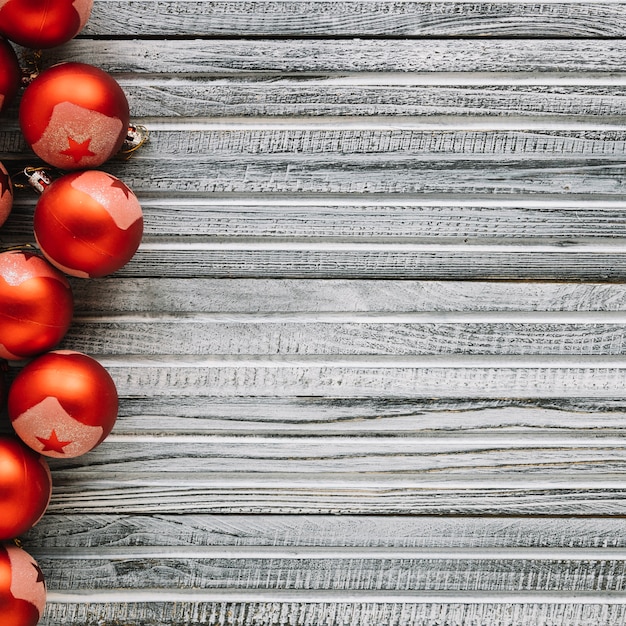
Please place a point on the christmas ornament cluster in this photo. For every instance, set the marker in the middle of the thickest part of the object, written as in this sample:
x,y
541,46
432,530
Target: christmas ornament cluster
x,y
87,224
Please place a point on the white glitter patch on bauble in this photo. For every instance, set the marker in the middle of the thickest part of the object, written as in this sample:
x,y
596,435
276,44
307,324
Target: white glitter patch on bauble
x,y
24,576
71,126
118,201
13,269
83,8
49,420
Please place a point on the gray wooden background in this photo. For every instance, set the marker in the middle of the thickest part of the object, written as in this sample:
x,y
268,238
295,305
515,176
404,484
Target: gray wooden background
x,y
371,351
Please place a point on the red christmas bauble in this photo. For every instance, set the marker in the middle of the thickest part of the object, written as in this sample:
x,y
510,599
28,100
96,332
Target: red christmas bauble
x,y
10,73
63,404
74,116
36,305
25,487
22,587
88,224
6,194
43,23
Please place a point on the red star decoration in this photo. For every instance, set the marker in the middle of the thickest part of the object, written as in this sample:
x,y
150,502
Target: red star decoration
x,y
118,184
40,578
53,443
5,183
78,150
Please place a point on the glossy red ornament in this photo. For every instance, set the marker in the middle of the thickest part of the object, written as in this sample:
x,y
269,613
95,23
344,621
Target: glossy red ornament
x,y
88,224
74,116
22,587
6,194
36,305
43,23
10,73
25,487
63,404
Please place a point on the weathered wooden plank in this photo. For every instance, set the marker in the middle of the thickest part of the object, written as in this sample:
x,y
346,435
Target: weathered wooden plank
x,y
273,296
369,416
414,376
376,95
368,96
426,457
546,493
447,140
149,18
235,157
365,570
306,537
500,262
521,535
196,335
327,259
362,218
564,611
536,61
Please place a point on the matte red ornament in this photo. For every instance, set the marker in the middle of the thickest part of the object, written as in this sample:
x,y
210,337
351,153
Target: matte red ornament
x,y
22,587
43,23
25,487
36,305
63,404
6,194
88,224
10,73
74,116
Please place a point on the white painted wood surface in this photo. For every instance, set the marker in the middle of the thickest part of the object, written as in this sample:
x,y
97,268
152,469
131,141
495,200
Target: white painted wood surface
x,y
371,353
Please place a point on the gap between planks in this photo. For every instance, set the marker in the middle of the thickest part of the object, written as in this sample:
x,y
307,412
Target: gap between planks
x,y
386,123
313,596
378,361
320,78
359,317
124,553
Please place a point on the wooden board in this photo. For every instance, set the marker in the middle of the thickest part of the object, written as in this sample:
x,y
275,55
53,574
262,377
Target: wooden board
x,y
370,353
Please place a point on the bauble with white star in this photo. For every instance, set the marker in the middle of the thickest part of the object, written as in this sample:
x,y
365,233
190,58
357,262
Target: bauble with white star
x,y
88,224
74,116
63,404
22,587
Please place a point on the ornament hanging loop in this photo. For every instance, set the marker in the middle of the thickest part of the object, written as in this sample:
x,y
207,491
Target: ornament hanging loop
x,y
31,67
136,137
37,178
20,247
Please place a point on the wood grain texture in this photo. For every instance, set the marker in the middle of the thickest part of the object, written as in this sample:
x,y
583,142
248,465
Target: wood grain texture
x,y
534,536
345,540
369,611
273,296
354,18
370,355
427,61
360,218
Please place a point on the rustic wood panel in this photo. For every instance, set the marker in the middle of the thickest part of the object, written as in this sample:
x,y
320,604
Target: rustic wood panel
x,y
351,609
362,380
236,18
427,61
272,296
